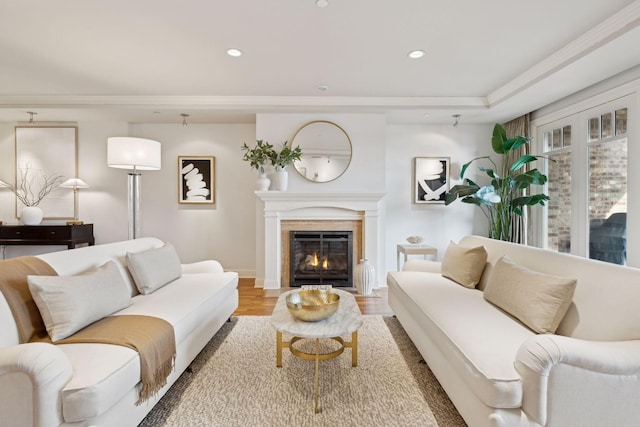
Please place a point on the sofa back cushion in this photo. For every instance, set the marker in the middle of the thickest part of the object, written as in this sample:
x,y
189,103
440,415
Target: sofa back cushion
x,y
538,300
153,268
464,265
69,303
605,300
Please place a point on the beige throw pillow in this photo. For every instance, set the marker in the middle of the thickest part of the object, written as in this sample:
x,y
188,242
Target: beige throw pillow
x,y
464,265
154,268
538,300
69,303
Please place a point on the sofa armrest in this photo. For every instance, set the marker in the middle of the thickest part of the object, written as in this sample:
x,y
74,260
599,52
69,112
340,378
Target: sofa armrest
x,y
31,380
586,382
208,266
423,265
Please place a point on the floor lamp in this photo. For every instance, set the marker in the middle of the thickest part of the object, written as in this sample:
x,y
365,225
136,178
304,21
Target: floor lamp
x,y
136,154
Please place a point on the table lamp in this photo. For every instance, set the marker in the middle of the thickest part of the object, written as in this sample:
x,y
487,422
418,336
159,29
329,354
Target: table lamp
x,y
75,184
124,152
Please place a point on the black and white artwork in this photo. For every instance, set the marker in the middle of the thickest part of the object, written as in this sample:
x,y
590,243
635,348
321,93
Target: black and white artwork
x,y
196,174
430,179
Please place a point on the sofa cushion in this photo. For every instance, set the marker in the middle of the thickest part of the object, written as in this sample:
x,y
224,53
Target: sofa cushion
x,y
479,355
69,303
538,300
464,265
154,268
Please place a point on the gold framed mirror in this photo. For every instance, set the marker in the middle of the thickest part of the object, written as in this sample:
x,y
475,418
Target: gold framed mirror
x,y
326,151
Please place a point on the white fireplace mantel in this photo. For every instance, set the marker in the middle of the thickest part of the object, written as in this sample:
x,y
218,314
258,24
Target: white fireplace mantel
x,y
284,205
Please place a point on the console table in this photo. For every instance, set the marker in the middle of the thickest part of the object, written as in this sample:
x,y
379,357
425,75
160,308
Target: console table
x,y
68,235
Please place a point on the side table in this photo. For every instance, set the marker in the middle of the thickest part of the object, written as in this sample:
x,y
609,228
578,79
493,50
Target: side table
x,y
408,249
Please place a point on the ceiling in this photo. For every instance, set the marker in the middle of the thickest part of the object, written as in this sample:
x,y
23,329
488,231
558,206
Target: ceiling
x,y
150,60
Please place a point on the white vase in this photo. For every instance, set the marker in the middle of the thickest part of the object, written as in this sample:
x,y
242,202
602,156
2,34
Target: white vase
x,y
31,215
262,184
364,276
280,180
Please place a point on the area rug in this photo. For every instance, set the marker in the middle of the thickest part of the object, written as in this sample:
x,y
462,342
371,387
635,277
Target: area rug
x,y
234,382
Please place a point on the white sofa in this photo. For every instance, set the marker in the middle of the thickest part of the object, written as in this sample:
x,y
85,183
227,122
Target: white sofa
x,y
500,373
97,384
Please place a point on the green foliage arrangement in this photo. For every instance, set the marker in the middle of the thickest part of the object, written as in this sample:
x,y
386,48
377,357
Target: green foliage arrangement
x,y
506,194
286,156
258,155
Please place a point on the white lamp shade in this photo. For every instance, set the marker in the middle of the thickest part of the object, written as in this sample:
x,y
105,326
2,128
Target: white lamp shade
x,y
124,152
74,183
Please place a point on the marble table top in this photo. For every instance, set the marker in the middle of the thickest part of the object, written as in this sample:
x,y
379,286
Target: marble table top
x,y
346,319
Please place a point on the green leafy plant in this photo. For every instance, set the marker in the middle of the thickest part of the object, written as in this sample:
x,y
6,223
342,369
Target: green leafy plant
x,y
285,156
506,195
259,155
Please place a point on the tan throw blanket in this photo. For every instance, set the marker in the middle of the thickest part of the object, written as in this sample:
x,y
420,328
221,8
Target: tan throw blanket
x,y
14,287
153,338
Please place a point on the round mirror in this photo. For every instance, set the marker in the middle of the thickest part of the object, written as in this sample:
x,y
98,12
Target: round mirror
x,y
326,151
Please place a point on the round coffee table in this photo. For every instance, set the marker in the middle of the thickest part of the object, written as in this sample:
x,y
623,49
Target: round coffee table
x,y
347,320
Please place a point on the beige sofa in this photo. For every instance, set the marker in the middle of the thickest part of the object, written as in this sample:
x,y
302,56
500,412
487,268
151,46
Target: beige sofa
x,y
498,372
97,384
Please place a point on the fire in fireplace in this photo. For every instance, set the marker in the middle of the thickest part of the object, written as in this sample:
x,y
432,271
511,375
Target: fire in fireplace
x,y
321,258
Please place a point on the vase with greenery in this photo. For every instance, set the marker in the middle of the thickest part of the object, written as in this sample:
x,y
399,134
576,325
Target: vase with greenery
x,y
507,194
258,156
280,160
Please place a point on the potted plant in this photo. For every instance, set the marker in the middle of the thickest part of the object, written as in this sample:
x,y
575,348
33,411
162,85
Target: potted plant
x,y
506,194
280,160
257,157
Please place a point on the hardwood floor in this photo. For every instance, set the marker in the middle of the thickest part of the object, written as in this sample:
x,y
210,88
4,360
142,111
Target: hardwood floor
x,y
260,302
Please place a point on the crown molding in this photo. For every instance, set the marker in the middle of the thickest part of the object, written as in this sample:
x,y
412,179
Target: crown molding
x,y
622,22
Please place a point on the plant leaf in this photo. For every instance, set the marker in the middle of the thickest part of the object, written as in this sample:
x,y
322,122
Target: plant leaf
x,y
515,143
499,136
523,160
460,191
535,199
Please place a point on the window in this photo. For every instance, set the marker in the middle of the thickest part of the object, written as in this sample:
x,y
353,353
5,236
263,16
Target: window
x,y
586,165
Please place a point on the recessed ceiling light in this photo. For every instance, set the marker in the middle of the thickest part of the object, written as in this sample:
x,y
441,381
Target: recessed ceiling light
x,y
323,87
234,52
415,54
322,3
427,115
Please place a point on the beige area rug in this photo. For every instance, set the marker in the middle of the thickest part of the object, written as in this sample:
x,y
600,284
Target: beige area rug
x,y
234,382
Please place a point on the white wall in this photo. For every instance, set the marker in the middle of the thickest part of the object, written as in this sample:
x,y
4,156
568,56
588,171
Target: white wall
x,y
382,162
436,223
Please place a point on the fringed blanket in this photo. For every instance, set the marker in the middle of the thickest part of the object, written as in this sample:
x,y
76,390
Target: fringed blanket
x,y
14,287
153,338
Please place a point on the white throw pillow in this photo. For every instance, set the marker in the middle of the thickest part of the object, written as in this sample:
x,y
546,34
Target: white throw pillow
x,y
538,300
464,265
154,268
69,303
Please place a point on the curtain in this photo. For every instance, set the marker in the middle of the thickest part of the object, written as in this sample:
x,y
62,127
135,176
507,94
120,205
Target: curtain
x,y
519,127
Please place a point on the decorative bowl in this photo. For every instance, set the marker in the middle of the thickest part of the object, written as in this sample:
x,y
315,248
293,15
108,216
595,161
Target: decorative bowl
x,y
414,240
313,304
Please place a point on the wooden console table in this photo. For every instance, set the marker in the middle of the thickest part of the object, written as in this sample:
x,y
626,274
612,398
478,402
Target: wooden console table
x,y
69,235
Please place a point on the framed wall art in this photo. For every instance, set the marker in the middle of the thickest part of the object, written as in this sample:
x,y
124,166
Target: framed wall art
x,y
430,179
196,176
45,153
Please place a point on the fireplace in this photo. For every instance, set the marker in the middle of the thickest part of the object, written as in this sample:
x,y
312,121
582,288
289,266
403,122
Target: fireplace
x,y
321,258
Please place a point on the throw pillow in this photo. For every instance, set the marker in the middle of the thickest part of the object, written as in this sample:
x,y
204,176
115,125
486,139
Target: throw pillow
x,y
538,300
154,268
69,303
464,265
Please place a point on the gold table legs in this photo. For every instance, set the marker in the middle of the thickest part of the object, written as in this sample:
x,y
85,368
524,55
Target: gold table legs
x,y
316,356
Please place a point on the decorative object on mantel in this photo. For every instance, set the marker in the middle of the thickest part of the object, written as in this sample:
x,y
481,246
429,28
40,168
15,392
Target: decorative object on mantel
x,y
124,152
75,184
506,195
280,160
364,276
31,190
414,240
257,158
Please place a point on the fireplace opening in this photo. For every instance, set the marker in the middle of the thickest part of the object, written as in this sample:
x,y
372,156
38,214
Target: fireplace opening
x,y
321,258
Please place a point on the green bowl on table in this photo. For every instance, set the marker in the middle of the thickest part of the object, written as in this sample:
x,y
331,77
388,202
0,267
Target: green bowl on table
x,y
312,305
